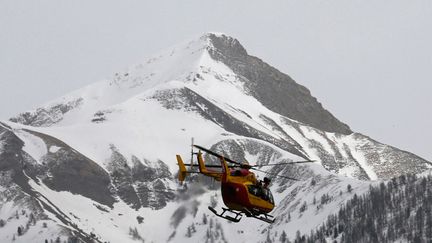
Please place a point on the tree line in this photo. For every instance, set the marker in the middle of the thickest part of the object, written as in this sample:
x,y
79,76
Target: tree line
x,y
397,210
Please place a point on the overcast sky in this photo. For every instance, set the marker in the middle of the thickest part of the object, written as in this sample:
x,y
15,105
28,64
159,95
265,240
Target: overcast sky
x,y
368,62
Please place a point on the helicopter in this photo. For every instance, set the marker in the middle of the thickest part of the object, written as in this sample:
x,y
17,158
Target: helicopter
x,y
242,192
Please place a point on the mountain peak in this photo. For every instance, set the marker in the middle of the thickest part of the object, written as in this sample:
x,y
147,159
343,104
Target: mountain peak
x,y
224,43
274,89
216,54
181,61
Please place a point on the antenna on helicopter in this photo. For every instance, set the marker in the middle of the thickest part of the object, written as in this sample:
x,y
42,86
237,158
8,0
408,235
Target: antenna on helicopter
x,y
192,153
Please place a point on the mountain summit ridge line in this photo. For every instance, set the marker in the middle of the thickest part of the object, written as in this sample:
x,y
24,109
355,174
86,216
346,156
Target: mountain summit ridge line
x,y
274,89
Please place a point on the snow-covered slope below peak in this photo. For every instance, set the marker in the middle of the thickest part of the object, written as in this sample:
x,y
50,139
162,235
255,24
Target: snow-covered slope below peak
x,y
183,62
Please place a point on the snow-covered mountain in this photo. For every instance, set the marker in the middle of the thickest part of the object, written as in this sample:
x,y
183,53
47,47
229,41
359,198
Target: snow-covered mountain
x,y
98,164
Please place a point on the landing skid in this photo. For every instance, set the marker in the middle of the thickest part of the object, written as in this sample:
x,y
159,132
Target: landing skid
x,y
236,219
238,215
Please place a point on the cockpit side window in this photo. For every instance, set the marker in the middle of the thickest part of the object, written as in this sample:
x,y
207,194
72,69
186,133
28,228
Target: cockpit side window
x,y
254,190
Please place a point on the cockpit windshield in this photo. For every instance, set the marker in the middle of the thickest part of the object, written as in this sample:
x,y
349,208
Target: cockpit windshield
x,y
261,192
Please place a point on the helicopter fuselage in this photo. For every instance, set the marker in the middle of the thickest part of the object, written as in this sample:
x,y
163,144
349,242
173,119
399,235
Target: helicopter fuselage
x,y
247,197
241,192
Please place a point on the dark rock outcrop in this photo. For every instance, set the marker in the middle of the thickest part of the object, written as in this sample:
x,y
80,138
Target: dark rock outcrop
x,y
142,183
274,89
47,116
185,98
63,170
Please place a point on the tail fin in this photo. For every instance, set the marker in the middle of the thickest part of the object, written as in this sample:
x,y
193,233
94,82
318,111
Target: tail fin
x,y
201,164
182,169
225,170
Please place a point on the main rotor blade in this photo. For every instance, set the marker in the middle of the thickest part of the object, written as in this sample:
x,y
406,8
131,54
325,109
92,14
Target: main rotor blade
x,y
286,177
288,163
217,155
248,166
214,166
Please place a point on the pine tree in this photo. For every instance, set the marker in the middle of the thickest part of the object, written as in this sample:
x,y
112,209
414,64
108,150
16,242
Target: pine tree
x,y
189,232
32,219
134,233
313,182
298,237
335,233
428,231
283,237
268,240
303,207
204,219
211,223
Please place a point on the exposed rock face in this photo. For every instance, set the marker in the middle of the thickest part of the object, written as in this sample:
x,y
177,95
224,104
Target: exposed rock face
x,y
43,117
274,89
62,170
389,161
73,172
122,178
10,147
186,99
141,184
67,170
336,151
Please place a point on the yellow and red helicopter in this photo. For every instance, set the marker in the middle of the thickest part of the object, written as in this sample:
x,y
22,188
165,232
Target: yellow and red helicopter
x,y
242,192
